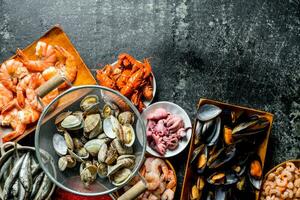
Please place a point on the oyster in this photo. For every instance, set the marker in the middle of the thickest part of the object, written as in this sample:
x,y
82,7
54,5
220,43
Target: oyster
x,y
127,135
59,144
92,126
88,101
126,117
120,176
111,126
72,122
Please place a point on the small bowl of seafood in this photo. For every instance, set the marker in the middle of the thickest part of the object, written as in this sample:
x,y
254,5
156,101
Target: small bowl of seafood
x,y
93,142
282,182
160,176
132,78
168,129
20,174
227,152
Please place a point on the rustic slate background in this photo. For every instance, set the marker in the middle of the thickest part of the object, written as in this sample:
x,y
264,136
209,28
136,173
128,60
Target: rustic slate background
x,y
237,51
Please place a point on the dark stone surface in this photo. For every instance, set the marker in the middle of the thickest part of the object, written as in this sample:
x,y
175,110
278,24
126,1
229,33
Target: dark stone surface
x,y
237,51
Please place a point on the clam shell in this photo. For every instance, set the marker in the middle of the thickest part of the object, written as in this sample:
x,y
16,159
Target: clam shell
x,y
111,169
120,176
88,175
91,121
126,117
126,162
102,170
62,163
122,149
69,141
80,157
111,157
87,101
59,144
93,146
127,136
111,126
72,122
77,143
62,116
102,153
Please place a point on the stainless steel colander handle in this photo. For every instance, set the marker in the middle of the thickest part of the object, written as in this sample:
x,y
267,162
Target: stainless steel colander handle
x,y
134,191
50,85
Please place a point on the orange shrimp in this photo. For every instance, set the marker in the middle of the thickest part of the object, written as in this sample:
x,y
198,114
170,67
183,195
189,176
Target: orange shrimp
x,y
67,65
10,72
172,180
5,96
133,83
121,81
18,127
147,68
28,115
148,91
105,80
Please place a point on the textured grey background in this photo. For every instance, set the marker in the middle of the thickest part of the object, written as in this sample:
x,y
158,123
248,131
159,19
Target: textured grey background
x,y
237,51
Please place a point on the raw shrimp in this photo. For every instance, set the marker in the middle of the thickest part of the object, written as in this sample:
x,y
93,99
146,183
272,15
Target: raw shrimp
x,y
67,65
18,127
152,180
148,164
172,180
161,188
5,96
10,72
290,166
167,195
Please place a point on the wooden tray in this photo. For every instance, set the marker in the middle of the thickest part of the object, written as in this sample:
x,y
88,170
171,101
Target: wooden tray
x,y
187,185
56,36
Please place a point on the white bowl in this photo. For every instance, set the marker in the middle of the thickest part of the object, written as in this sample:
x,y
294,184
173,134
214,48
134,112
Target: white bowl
x,y
174,109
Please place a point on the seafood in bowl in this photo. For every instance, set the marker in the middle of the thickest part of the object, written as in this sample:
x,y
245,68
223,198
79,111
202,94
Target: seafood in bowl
x,y
168,129
98,140
21,76
160,177
282,182
132,78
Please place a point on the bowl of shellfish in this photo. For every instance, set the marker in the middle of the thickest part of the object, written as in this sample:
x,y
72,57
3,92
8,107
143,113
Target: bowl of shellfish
x,y
96,143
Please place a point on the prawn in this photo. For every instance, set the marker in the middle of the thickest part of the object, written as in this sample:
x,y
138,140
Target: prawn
x,y
152,180
28,115
158,164
172,180
105,80
37,65
10,72
67,65
17,126
5,96
168,195
148,164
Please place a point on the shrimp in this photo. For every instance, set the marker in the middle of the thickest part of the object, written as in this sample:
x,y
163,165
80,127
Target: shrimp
x,y
5,96
10,72
161,188
290,167
167,195
172,180
148,164
287,174
67,65
28,115
37,65
281,182
18,127
152,180
157,164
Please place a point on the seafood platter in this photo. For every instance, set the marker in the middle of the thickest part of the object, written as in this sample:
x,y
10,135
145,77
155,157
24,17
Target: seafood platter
x,y
29,69
92,140
227,152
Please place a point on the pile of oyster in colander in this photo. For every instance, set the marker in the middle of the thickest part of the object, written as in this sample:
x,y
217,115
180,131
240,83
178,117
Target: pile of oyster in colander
x,y
98,139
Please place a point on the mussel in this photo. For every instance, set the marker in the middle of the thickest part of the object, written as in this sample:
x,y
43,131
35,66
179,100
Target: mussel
x,y
222,157
255,172
200,157
208,112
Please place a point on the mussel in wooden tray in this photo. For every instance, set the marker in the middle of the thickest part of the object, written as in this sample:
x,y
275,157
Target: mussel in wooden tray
x,y
225,163
99,140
